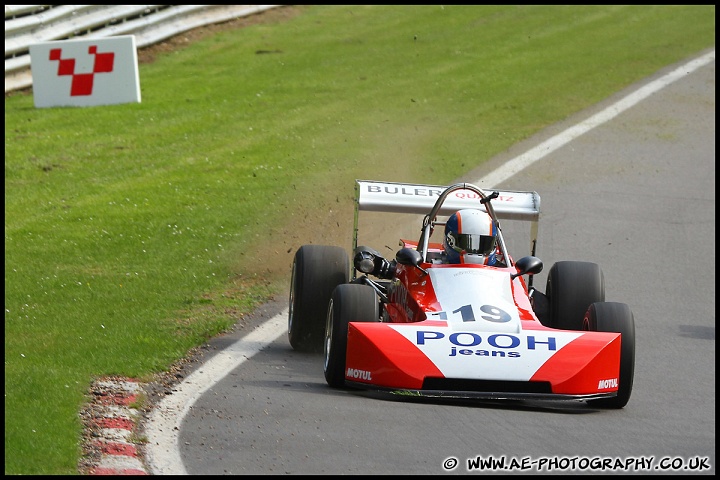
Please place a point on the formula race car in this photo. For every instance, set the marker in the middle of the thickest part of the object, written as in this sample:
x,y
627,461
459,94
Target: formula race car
x,y
422,324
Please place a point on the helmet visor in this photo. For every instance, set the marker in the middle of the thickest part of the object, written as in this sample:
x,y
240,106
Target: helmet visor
x,y
475,244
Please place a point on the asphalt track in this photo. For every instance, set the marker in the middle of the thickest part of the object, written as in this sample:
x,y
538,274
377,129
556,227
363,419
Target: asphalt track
x,y
629,185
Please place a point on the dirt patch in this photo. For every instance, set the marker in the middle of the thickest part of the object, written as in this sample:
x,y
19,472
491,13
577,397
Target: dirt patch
x,y
296,230
273,15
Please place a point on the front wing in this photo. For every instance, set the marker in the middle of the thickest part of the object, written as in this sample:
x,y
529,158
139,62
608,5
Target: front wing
x,y
431,359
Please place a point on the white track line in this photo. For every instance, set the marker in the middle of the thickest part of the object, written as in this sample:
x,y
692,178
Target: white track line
x,y
520,162
163,427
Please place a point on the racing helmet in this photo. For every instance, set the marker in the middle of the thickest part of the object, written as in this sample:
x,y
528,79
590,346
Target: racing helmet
x,y
470,237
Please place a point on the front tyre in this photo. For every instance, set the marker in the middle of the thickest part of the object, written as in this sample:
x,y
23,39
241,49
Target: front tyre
x,y
316,271
351,302
571,287
615,317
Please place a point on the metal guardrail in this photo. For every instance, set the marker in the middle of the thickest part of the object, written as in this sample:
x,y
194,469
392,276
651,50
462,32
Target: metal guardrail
x,y
26,25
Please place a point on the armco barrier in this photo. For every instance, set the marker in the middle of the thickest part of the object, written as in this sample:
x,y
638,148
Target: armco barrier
x,y
29,24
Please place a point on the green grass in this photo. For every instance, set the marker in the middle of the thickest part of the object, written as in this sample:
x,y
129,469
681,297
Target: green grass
x,y
136,232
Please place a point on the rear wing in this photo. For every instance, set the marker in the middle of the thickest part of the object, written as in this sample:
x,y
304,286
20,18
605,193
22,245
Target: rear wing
x,y
415,198
410,198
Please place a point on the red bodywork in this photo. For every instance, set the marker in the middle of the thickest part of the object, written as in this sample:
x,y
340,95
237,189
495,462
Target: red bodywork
x,y
408,348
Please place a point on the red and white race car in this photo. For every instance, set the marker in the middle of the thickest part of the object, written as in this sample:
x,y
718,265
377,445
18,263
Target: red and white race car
x,y
417,325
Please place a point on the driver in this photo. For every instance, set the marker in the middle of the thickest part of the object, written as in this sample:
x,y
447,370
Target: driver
x,y
471,237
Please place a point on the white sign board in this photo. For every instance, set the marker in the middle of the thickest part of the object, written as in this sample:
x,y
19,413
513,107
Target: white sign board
x,y
82,73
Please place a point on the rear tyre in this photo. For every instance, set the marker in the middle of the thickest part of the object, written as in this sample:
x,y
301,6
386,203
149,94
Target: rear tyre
x,y
316,271
571,287
351,302
615,317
